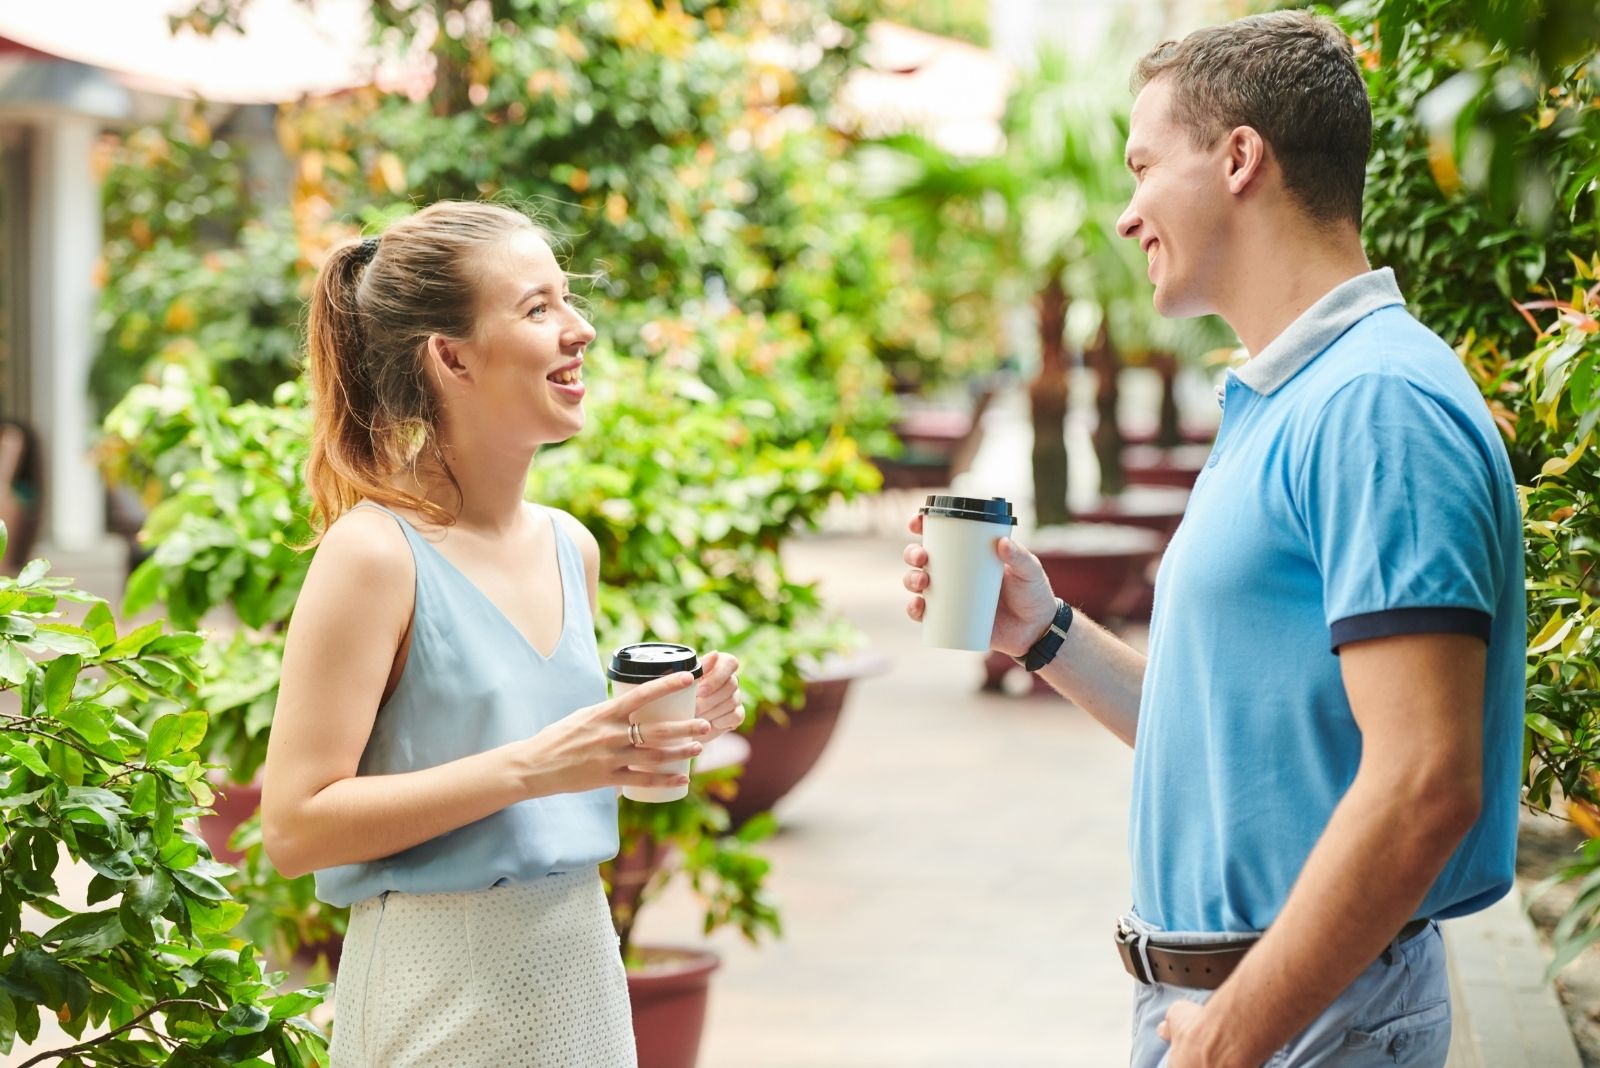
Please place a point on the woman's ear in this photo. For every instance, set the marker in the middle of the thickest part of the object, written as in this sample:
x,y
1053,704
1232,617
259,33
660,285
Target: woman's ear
x,y
445,357
1246,157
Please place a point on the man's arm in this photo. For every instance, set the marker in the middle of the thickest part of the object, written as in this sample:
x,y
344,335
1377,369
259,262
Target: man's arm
x,y
1101,674
1418,701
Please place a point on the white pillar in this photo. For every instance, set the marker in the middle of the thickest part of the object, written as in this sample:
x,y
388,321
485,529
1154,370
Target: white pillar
x,y
66,238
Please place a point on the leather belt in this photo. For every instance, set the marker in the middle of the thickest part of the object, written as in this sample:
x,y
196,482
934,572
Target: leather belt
x,y
1203,966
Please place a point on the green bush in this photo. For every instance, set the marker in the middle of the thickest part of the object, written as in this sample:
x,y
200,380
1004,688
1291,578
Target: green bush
x,y
149,964
1483,194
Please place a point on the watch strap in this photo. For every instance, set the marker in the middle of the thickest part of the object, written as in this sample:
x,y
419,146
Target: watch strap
x,y
1049,644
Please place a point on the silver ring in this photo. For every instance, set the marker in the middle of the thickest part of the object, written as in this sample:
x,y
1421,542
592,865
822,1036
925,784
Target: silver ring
x,y
635,735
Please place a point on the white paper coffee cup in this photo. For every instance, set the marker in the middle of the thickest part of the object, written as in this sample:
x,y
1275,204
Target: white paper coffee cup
x,y
964,569
635,665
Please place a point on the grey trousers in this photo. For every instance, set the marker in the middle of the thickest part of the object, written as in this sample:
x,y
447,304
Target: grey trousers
x,y
1397,1012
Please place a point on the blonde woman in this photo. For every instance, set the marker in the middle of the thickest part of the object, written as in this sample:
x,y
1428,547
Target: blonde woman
x,y
444,756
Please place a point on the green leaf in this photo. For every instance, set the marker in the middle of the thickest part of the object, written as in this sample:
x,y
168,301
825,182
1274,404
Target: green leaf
x,y
144,586
245,1019
32,572
177,644
145,794
117,865
99,625
295,1004
201,886
13,665
87,934
132,643
147,895
64,638
216,917
59,676
88,720
26,755
1541,725
8,1009
165,737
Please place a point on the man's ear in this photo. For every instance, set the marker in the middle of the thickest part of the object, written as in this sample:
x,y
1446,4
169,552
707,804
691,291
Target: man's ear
x,y
444,356
1246,158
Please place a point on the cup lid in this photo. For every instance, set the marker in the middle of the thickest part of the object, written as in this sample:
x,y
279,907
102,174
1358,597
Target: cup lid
x,y
979,509
652,660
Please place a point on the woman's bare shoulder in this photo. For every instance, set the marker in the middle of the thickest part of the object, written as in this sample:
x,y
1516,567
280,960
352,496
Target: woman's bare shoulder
x,y
575,530
363,558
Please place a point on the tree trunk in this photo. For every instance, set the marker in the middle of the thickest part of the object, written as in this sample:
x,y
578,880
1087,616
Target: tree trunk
x,y
1047,396
1107,364
1169,431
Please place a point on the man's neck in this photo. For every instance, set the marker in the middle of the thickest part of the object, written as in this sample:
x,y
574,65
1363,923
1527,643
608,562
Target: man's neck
x,y
1270,293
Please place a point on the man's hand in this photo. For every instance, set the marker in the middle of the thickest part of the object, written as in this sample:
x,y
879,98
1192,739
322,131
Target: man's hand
x,y
1026,604
1184,1028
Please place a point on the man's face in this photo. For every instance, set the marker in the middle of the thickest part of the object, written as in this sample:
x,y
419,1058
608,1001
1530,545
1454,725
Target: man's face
x,y
1180,207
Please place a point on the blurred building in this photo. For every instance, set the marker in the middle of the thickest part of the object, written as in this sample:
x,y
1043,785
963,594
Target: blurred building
x,y
68,72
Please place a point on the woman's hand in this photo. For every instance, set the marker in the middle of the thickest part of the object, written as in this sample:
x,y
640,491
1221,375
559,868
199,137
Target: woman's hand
x,y
718,700
595,746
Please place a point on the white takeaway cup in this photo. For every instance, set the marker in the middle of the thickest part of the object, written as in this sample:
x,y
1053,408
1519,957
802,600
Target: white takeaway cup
x,y
635,665
964,568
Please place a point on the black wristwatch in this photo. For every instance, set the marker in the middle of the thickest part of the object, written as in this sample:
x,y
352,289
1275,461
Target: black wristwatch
x,y
1049,644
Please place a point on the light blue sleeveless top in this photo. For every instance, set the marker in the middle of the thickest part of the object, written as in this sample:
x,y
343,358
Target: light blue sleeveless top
x,y
472,682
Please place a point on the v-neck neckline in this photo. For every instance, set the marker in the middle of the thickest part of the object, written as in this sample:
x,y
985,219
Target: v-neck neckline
x,y
561,581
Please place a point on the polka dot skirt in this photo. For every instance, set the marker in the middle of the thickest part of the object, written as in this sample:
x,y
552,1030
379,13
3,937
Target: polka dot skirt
x,y
525,975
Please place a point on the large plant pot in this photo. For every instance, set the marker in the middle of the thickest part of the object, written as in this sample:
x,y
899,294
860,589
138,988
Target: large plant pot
x,y
782,754
1098,568
1144,465
1157,508
669,990
1189,435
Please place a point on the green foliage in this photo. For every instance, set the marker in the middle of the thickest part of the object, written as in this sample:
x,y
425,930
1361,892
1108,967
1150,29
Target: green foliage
x,y
692,838
1461,251
965,20
225,532
188,268
148,966
1483,188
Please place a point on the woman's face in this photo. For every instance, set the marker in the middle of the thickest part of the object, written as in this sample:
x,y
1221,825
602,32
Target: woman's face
x,y
525,356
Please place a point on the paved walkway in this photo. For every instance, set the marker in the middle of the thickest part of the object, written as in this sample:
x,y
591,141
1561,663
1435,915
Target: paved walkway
x,y
948,874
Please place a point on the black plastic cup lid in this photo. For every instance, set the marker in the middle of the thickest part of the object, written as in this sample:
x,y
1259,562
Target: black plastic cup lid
x,y
979,509
652,660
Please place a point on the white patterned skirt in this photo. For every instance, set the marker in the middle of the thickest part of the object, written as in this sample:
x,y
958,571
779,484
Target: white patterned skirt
x,y
525,975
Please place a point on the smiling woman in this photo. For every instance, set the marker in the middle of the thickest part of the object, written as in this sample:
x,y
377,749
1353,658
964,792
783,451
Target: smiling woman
x,y
443,754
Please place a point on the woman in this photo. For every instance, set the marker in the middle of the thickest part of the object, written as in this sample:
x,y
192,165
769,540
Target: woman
x,y
443,754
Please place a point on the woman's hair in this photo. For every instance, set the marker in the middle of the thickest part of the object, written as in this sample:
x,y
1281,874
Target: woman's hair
x,y
375,304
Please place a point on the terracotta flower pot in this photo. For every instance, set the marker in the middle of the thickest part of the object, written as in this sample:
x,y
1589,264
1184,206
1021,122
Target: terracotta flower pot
x,y
669,991
783,754
1157,508
1144,465
234,805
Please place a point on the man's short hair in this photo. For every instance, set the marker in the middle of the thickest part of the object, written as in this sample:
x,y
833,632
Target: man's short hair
x,y
1291,76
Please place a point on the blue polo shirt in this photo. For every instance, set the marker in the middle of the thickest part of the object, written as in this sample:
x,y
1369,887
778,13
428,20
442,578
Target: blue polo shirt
x,y
1357,488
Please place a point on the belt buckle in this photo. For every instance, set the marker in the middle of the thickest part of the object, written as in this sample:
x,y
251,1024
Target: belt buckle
x,y
1131,945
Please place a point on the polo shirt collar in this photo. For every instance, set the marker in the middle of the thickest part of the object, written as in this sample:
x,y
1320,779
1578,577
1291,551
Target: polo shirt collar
x,y
1318,327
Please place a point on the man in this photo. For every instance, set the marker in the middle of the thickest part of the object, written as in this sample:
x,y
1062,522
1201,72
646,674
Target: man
x,y
1327,729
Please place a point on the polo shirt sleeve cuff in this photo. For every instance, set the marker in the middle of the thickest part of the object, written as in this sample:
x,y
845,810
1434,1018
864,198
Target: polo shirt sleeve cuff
x,y
1393,621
